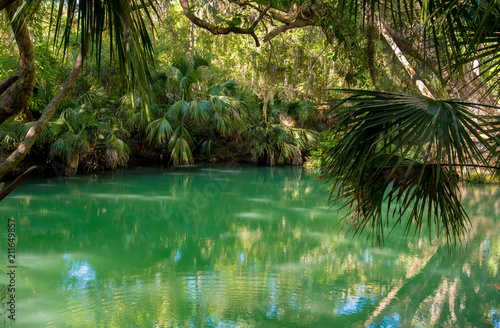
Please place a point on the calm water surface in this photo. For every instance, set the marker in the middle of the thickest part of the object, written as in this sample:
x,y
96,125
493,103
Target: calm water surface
x,y
234,246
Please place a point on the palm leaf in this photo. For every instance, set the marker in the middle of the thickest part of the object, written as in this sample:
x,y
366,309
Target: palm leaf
x,y
180,145
178,111
62,148
407,149
125,22
159,130
199,110
226,88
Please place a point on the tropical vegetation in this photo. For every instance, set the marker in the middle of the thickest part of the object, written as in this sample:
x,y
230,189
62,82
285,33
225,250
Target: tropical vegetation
x,y
97,84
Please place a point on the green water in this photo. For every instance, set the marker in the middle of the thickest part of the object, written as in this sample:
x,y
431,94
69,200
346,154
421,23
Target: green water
x,y
233,246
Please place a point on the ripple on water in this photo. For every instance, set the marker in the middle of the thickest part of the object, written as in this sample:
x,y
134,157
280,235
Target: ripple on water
x,y
254,215
139,197
234,290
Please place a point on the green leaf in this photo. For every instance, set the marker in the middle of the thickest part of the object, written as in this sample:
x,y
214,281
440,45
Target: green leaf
x,y
407,149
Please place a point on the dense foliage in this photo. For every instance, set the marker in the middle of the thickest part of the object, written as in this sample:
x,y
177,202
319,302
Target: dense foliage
x,y
225,80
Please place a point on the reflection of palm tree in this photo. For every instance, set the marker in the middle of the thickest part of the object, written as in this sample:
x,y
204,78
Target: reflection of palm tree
x,y
418,265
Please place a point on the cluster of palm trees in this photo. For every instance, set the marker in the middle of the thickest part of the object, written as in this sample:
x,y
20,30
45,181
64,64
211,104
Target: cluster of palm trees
x,y
184,117
411,147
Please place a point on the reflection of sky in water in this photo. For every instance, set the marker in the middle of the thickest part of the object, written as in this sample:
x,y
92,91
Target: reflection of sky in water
x,y
178,256
388,322
293,302
356,303
495,318
214,322
77,274
368,258
272,284
191,288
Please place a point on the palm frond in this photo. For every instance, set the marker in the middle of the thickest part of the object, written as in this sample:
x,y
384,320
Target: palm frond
x,y
178,111
226,88
412,147
199,110
125,22
206,146
200,61
181,144
62,148
159,131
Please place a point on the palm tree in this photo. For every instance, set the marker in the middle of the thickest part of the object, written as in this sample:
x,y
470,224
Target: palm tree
x,y
173,124
80,136
275,138
410,150
126,23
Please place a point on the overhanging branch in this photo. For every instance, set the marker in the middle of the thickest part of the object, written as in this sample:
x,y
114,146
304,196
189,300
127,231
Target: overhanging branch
x,y
29,140
13,185
221,30
287,18
283,28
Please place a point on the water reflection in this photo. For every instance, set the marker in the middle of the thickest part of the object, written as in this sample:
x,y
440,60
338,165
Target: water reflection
x,y
78,275
237,247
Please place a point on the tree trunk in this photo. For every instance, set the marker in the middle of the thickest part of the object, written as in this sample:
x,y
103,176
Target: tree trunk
x,y
37,128
418,81
5,192
15,91
309,75
191,37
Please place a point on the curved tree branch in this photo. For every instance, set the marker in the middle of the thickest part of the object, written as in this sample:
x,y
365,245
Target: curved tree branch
x,y
22,150
15,91
283,28
221,30
287,18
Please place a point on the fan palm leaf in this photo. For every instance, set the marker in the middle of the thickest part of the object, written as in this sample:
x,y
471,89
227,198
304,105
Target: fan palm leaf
x,y
409,150
226,88
178,111
199,110
181,144
159,131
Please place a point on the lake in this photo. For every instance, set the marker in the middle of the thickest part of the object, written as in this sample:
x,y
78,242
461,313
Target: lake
x,y
233,246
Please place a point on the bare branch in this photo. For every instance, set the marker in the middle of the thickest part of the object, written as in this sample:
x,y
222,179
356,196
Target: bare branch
x,y
262,13
288,18
409,69
16,182
217,29
29,140
283,28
